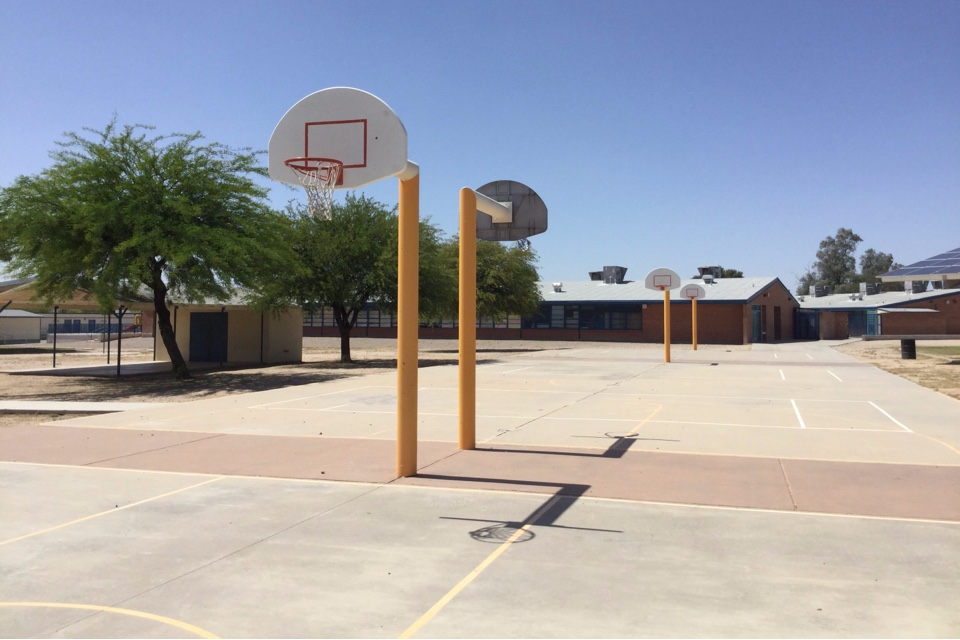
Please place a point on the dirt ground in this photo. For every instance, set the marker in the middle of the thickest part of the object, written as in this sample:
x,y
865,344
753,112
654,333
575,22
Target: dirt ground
x,y
938,371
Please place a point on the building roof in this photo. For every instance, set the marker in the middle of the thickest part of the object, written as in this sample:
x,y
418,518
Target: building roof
x,y
884,299
722,290
17,313
21,294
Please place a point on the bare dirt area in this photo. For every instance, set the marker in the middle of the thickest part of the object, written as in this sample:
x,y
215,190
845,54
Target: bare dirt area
x,y
937,367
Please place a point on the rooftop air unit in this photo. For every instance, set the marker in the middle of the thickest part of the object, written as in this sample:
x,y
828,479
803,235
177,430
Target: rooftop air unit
x,y
707,278
716,272
614,275
596,275
558,287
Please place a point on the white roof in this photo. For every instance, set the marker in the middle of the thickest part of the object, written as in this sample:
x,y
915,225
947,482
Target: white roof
x,y
841,301
721,290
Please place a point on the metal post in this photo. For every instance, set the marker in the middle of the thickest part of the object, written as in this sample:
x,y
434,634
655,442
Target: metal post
x,y
108,316
55,310
666,325
119,313
694,304
467,319
408,321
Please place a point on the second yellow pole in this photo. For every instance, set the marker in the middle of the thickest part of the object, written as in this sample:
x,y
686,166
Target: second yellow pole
x,y
467,320
694,312
408,323
666,325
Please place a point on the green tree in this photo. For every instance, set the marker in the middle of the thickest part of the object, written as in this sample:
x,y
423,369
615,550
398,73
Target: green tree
x,y
873,264
122,209
836,264
351,260
507,279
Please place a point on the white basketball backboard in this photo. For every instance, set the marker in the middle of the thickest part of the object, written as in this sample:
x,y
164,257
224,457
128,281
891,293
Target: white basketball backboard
x,y
662,279
344,124
693,292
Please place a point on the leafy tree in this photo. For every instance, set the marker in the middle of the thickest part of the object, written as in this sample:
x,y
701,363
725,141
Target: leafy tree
x,y
506,279
351,260
836,264
122,209
873,264
731,273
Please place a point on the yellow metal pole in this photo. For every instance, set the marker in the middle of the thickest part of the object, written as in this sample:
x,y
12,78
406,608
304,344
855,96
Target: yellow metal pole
x,y
694,301
408,322
666,325
467,320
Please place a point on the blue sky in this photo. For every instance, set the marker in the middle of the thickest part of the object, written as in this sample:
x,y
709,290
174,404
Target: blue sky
x,y
660,134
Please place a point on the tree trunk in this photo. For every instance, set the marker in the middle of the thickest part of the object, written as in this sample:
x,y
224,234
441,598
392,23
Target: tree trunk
x,y
345,323
166,329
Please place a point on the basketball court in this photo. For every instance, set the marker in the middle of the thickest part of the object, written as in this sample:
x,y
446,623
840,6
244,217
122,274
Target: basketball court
x,y
782,491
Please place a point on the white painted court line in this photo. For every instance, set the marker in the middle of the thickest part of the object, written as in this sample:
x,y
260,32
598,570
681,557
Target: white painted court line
x,y
895,421
782,377
834,375
810,356
515,370
318,395
797,411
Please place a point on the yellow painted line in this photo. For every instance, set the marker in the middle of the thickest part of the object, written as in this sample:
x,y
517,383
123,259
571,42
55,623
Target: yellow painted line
x,y
202,633
103,513
470,577
640,424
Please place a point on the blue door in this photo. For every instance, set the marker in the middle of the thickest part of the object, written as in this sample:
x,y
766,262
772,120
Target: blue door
x,y
208,337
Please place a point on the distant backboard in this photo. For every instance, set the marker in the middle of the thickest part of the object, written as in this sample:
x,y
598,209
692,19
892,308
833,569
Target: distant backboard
x,y
693,292
529,212
662,280
349,125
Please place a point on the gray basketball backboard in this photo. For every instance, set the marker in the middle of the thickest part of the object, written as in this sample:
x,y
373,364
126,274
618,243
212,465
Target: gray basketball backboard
x,y
529,212
345,124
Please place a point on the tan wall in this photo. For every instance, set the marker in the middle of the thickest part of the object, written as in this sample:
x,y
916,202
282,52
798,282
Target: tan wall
x,y
20,329
282,335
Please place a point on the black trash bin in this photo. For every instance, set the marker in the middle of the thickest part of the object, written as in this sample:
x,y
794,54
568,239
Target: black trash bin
x,y
908,349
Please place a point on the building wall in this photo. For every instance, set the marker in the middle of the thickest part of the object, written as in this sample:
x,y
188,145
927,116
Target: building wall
x,y
282,335
717,323
944,318
834,325
20,329
893,324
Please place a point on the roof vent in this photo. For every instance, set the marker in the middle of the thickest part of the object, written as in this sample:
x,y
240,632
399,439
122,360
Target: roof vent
x,y
819,290
596,275
707,278
558,287
716,272
614,275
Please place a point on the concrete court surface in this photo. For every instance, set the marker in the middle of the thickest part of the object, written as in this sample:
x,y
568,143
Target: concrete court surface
x,y
785,491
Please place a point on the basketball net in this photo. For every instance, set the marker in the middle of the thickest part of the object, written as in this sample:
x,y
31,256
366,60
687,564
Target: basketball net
x,y
319,178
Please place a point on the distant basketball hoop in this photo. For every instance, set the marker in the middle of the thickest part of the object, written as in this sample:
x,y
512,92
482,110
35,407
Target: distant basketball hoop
x,y
319,177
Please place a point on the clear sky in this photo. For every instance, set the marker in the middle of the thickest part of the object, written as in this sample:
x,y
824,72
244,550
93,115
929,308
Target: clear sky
x,y
660,134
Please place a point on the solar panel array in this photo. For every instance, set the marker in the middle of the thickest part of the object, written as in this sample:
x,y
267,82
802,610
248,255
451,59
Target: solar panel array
x,y
946,264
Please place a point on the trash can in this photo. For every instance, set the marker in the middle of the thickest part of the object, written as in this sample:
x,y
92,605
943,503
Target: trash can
x,y
908,349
